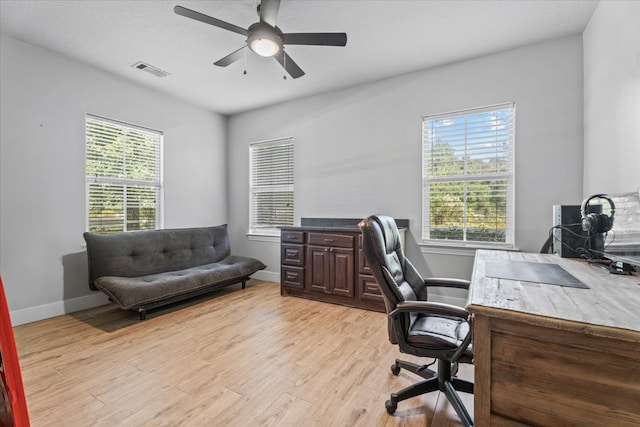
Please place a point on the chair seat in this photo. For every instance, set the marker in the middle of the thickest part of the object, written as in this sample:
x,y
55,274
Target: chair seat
x,y
438,333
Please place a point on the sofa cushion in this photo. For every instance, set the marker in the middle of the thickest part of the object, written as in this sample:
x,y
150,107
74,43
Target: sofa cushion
x,y
130,292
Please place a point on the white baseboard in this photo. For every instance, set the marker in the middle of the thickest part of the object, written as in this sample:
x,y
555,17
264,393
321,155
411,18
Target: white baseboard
x,y
45,311
269,276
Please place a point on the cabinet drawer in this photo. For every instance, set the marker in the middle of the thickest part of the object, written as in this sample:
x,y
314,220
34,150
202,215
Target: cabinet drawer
x,y
292,277
335,240
369,289
292,255
292,236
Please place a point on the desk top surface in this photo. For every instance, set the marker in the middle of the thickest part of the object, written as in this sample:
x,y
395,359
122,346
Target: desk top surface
x,y
610,307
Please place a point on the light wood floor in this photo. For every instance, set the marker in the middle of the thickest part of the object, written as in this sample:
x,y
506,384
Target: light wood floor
x,y
242,358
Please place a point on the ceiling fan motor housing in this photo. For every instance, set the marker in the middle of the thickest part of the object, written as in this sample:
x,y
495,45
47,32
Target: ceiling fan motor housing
x,y
264,39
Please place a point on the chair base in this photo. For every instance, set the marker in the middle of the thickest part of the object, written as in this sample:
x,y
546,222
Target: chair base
x,y
442,380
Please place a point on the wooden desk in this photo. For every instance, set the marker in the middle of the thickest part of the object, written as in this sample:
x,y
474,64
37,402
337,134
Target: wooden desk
x,y
550,355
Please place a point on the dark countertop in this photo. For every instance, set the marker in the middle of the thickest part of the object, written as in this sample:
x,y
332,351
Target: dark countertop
x,y
349,225
325,228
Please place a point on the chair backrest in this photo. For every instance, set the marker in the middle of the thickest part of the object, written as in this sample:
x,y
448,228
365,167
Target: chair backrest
x,y
397,278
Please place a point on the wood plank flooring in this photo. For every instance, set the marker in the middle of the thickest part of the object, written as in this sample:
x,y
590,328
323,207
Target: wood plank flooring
x,y
242,357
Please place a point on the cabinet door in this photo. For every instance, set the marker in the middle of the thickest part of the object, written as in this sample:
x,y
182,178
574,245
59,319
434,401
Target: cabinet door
x,y
341,271
331,270
318,262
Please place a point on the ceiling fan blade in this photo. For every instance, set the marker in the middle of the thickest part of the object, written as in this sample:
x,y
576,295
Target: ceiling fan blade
x,y
269,11
318,39
231,58
288,64
183,11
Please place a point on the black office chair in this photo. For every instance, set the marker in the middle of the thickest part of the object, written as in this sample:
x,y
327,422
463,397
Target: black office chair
x,y
417,326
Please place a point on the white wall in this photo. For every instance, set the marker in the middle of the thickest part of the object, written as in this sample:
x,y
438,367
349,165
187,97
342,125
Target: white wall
x,y
42,192
358,151
612,98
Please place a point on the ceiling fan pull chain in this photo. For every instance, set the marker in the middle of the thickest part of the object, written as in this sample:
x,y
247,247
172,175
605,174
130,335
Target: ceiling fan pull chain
x,y
284,62
245,62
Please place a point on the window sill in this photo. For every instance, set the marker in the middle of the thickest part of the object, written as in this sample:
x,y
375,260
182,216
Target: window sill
x,y
263,237
460,249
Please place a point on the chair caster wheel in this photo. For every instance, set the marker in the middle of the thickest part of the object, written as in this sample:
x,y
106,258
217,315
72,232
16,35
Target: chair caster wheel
x,y
395,369
391,407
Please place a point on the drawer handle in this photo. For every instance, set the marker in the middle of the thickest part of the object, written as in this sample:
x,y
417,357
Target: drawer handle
x,y
291,276
329,240
291,236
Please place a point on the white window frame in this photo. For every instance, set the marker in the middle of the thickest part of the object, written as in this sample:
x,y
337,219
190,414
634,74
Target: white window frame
x,y
464,177
157,183
281,184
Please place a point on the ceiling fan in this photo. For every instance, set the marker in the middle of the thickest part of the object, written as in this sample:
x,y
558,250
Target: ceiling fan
x,y
265,38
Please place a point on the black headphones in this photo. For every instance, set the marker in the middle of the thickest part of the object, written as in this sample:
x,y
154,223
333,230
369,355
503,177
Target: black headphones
x,y
597,222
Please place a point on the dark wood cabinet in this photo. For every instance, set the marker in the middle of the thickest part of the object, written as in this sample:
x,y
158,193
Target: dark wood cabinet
x,y
326,264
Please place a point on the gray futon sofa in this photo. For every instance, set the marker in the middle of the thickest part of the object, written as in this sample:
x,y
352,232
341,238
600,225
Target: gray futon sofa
x,y
140,270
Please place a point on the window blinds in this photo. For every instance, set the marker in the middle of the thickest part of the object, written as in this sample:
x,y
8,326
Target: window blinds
x,y
271,186
468,175
123,176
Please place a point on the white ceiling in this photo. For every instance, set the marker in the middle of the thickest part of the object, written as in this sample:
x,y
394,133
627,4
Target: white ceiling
x,y
385,38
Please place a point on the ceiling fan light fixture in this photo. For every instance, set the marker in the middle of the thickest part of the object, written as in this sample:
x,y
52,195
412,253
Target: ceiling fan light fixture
x,y
265,47
264,39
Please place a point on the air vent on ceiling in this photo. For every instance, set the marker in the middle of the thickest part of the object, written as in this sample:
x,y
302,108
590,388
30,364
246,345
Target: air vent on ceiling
x,y
150,69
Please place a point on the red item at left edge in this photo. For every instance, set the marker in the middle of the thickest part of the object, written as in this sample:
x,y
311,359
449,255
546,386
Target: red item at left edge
x,y
13,405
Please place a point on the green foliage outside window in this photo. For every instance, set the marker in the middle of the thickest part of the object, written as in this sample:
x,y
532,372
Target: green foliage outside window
x,y
123,177
468,176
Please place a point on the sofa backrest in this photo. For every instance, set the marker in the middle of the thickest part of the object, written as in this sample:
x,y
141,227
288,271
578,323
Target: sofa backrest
x,y
139,253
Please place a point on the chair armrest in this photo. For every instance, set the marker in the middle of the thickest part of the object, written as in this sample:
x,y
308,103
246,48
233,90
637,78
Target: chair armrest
x,y
428,307
445,282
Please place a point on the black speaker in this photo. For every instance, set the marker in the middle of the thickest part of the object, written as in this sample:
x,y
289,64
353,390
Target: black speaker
x,y
569,240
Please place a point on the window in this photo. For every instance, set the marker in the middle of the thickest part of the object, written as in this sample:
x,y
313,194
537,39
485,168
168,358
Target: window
x,y
123,176
468,177
271,186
